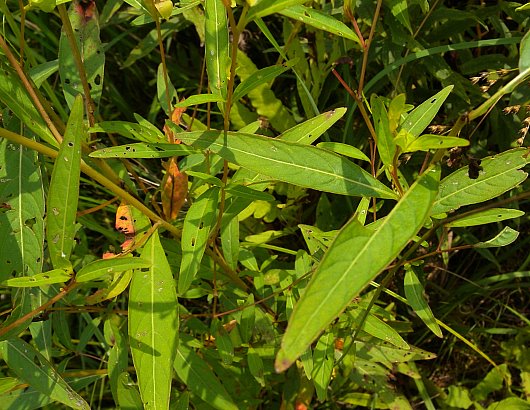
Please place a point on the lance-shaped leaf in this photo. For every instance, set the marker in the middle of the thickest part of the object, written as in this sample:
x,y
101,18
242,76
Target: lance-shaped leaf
x,y
201,380
64,190
200,218
30,366
85,25
356,257
319,20
104,268
143,150
265,7
153,325
216,46
414,293
486,217
430,141
499,174
257,78
297,164
423,114
40,279
504,238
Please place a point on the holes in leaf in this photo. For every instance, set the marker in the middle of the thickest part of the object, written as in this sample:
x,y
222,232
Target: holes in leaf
x,y
70,144
433,100
201,225
193,242
30,222
97,80
67,81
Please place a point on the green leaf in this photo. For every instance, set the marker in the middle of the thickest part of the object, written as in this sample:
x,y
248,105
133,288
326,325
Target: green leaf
x,y
414,293
319,20
201,380
377,328
40,279
339,279
263,76
22,222
265,7
44,5
421,116
374,350
64,190
200,219
216,47
499,174
199,99
105,268
230,241
129,130
323,365
30,366
143,150
430,141
505,237
297,164
162,93
14,96
486,217
344,149
386,145
308,131
400,11
86,32
153,325
255,365
128,396
524,54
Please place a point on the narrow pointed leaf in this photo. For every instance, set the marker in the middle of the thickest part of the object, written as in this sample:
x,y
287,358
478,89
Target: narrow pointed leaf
x,y
486,217
344,149
130,130
199,99
200,218
40,279
423,114
414,293
297,164
201,380
339,279
319,20
22,219
505,237
499,174
265,7
30,366
86,32
262,76
216,46
103,268
430,141
386,145
143,150
64,189
14,96
377,328
308,131
153,325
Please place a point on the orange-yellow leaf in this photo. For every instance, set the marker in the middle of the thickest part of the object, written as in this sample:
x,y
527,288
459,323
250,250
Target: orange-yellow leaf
x,y
174,190
125,225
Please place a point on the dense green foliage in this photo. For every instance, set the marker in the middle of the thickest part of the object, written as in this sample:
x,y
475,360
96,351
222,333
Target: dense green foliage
x,y
264,204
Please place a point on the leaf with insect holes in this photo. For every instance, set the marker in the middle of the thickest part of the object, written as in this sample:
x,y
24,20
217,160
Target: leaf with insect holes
x,y
85,24
64,190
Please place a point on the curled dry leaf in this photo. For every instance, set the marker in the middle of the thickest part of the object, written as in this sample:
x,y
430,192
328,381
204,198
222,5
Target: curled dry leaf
x,y
175,183
174,190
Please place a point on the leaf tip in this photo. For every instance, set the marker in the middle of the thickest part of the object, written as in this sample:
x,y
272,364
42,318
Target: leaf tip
x,y
282,363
